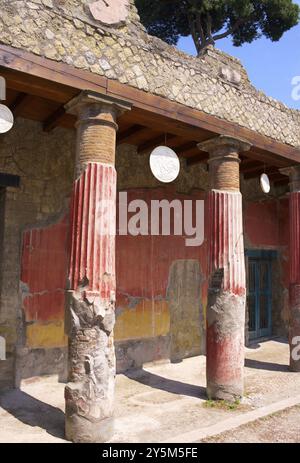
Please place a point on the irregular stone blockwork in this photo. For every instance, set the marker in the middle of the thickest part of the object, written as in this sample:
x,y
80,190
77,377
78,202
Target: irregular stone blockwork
x,y
45,164
65,30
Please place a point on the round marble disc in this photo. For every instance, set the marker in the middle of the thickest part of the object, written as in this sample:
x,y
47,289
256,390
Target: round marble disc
x,y
265,183
164,164
6,119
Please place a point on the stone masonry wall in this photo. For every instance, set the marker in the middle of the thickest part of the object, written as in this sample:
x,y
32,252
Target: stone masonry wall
x,y
64,30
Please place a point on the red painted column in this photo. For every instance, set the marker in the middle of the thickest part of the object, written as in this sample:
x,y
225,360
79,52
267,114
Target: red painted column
x,y
227,287
90,301
294,255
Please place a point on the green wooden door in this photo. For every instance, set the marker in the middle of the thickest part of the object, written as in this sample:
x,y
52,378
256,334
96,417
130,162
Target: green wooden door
x,y
259,295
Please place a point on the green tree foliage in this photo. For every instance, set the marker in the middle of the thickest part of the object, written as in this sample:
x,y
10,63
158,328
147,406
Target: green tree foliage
x,y
211,20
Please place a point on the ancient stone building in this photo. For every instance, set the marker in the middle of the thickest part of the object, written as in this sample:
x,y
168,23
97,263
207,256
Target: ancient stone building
x,y
78,66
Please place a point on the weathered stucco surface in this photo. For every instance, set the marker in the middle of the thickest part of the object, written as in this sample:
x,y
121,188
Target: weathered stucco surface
x,y
29,217
65,30
187,327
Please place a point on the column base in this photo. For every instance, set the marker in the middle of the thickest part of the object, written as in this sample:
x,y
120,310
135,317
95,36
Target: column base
x,y
80,430
228,393
294,329
225,345
294,366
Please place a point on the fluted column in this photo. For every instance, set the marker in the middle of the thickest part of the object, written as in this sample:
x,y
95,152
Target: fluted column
x,y
90,299
294,256
227,287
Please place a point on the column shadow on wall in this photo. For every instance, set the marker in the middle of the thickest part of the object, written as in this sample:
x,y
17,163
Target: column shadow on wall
x,y
168,385
34,412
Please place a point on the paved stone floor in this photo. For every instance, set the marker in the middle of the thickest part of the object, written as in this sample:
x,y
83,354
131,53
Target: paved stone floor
x,y
281,427
163,403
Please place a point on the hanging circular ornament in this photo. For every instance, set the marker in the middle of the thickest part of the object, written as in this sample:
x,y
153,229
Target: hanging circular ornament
x,y
265,183
6,119
164,164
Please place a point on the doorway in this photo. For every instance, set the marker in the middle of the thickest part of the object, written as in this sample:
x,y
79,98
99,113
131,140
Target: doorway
x,y
259,293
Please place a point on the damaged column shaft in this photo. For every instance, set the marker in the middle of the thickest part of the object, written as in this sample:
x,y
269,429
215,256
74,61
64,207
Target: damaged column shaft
x,y
226,293
294,290
90,301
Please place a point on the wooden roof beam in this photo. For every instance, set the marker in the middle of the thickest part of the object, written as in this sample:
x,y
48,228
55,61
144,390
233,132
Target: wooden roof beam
x,y
187,147
250,166
201,157
54,119
267,158
261,170
154,142
19,103
276,175
127,134
281,181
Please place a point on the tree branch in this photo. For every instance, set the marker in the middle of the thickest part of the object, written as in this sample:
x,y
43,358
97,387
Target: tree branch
x,y
231,30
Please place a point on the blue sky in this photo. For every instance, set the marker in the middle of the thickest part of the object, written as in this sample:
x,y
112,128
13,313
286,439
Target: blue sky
x,y
270,65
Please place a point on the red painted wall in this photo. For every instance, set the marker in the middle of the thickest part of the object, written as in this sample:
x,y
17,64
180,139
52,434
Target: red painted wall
x,y
142,264
43,277
266,226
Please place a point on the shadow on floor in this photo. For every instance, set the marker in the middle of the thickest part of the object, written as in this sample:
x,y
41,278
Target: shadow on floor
x,y
261,365
33,412
256,344
168,385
